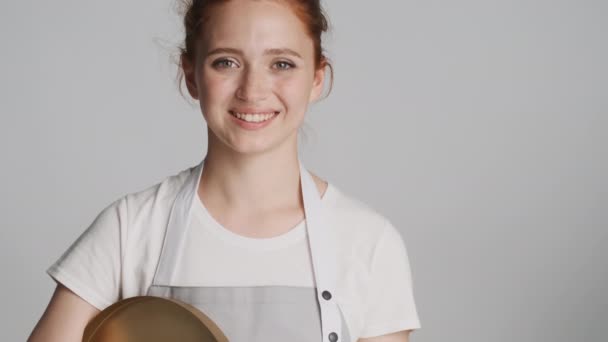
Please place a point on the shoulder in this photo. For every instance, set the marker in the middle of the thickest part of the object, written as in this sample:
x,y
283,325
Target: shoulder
x,y
137,213
352,216
115,255
358,227
370,252
148,212
142,215
157,198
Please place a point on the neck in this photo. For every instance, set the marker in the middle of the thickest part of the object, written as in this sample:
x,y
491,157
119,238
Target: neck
x,y
249,183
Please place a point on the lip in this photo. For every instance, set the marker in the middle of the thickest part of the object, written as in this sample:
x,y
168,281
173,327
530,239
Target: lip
x,y
251,110
251,126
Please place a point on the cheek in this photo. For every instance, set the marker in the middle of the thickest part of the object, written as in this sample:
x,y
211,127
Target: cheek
x,y
216,89
294,92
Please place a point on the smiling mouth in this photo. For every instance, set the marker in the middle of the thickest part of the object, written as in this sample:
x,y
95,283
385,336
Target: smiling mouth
x,y
254,117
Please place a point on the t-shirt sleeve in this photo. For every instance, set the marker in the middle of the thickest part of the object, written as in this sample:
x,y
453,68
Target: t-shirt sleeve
x,y
390,305
91,266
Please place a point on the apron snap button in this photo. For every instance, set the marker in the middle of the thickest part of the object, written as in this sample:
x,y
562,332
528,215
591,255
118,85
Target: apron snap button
x,y
326,295
333,337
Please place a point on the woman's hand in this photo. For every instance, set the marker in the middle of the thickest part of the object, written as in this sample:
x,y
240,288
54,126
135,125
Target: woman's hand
x,y
64,319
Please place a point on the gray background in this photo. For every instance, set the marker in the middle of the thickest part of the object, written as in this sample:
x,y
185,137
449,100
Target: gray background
x,y
478,127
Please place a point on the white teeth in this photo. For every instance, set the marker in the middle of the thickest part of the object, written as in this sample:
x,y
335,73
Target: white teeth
x,y
253,117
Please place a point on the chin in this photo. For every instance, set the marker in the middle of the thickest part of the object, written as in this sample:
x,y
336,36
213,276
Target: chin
x,y
259,146
243,143
257,149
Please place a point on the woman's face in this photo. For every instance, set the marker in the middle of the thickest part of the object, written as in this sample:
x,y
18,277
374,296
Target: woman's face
x,y
254,59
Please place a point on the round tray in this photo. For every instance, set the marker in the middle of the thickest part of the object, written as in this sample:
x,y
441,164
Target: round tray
x,y
152,319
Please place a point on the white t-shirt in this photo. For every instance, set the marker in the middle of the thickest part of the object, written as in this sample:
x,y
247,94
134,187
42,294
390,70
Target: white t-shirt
x,y
117,255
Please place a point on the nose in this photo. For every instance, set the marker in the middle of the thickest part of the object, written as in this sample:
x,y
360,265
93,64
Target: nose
x,y
254,85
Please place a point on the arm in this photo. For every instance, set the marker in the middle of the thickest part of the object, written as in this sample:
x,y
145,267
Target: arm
x,y
64,319
400,336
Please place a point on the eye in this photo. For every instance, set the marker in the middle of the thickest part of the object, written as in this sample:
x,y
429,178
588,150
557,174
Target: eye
x,y
284,65
224,63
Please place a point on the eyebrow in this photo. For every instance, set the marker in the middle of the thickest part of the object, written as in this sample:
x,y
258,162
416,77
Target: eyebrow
x,y
273,52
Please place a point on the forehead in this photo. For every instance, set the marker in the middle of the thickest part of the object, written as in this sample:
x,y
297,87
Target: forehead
x,y
255,26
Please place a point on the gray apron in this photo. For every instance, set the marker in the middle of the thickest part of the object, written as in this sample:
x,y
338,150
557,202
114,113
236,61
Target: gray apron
x,y
259,313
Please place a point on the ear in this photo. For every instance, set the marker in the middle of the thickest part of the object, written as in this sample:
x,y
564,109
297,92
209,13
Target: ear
x,y
189,76
317,84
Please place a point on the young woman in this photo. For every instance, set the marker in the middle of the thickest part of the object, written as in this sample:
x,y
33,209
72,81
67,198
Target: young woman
x,y
265,248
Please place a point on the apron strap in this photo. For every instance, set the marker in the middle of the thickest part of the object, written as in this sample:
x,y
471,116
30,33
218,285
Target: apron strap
x,y
321,244
177,228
